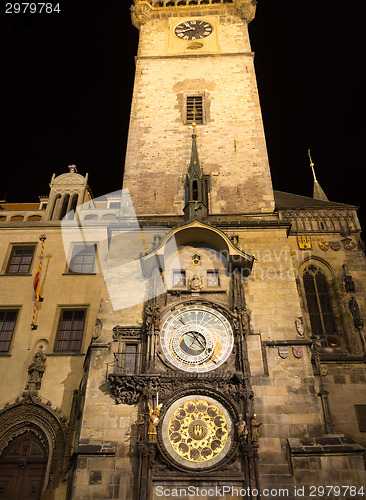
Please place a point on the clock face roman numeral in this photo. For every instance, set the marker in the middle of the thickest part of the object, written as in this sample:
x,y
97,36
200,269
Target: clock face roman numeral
x,y
193,30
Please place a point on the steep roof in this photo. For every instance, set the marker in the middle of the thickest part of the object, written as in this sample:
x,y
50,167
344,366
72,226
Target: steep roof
x,y
289,200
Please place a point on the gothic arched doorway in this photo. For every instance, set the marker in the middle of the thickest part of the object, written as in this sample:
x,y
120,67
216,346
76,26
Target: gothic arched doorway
x,y
22,468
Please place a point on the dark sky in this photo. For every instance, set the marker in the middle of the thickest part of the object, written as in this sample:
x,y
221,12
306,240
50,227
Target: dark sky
x,y
67,82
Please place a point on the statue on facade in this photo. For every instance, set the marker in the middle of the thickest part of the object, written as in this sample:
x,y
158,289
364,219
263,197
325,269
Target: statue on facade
x,y
356,313
242,429
148,317
156,318
141,427
154,419
254,425
245,314
235,317
36,369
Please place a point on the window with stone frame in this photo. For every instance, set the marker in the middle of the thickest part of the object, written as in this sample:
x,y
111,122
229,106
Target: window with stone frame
x,y
20,260
319,302
194,109
82,259
127,348
8,319
213,278
131,357
179,278
70,330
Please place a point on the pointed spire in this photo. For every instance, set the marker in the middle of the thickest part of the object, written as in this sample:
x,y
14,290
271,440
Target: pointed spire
x,y
194,164
318,193
195,185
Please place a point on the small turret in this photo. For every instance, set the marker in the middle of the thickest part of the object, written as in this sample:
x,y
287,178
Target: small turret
x,y
195,187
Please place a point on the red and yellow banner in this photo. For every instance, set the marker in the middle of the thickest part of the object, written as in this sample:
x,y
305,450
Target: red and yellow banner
x,y
36,282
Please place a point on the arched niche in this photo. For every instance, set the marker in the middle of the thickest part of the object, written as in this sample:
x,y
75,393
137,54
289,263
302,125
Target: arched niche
x,y
197,234
48,428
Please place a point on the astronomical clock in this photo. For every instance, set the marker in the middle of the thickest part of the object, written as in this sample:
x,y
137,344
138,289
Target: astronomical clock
x,y
196,338
193,386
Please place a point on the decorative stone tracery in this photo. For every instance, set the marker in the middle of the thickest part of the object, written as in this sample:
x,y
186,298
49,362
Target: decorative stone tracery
x,y
30,414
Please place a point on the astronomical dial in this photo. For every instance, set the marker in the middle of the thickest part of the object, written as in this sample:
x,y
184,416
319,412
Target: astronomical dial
x,y
196,338
193,30
197,431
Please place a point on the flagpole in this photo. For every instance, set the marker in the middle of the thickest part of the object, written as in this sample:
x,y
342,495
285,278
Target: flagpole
x,y
37,278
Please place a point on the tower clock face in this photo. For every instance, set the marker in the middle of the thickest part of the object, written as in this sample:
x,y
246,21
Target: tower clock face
x,y
196,339
193,30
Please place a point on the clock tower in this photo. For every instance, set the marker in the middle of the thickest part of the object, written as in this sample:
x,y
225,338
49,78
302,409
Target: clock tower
x,y
207,280
195,63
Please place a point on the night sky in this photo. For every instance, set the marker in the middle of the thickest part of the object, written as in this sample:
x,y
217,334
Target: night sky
x,y
67,81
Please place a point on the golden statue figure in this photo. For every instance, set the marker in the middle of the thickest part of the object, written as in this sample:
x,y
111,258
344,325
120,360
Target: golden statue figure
x,y
154,414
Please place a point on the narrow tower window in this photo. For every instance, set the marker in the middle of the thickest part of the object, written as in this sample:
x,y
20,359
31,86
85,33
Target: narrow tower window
x,y
195,191
194,109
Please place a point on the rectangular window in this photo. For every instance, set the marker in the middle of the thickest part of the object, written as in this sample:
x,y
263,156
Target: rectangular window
x,y
7,324
20,259
130,365
82,260
213,278
70,330
194,109
179,278
361,417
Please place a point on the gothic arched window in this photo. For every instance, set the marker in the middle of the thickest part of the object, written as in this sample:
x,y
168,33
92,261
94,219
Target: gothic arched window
x,y
319,301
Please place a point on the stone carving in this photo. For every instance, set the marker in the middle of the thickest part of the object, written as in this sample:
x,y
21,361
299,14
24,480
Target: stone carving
x,y
156,318
254,425
299,323
195,283
234,238
97,329
148,317
348,243
242,317
245,317
235,317
127,331
126,389
152,317
30,414
36,370
349,284
157,240
154,419
356,313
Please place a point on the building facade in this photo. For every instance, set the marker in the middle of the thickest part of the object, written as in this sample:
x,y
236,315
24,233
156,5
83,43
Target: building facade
x,y
197,334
